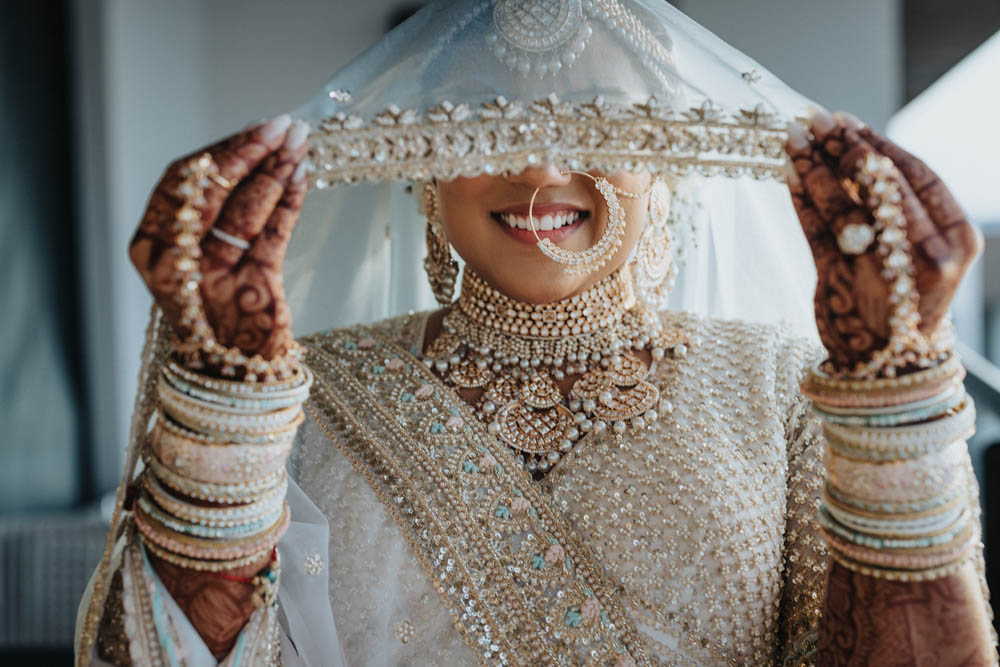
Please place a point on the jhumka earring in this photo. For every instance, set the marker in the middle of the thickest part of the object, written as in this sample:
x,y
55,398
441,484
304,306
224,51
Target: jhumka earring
x,y
441,267
653,262
580,262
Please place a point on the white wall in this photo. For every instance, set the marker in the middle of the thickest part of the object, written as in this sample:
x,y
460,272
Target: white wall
x,y
159,79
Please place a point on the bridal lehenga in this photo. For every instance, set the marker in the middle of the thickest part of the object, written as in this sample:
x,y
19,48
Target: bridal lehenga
x,y
666,510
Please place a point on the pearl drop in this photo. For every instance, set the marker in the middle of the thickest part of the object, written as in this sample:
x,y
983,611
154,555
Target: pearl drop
x,y
494,428
589,404
552,457
620,427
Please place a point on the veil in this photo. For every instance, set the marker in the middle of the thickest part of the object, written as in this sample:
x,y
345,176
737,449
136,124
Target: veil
x,y
488,86
469,87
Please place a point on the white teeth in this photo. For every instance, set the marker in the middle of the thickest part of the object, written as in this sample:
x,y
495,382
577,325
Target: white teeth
x,y
545,223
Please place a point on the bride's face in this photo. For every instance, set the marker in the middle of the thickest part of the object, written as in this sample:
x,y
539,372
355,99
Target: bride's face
x,y
486,220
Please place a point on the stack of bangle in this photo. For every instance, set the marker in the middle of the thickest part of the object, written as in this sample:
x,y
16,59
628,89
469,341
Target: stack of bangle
x,y
894,505
212,494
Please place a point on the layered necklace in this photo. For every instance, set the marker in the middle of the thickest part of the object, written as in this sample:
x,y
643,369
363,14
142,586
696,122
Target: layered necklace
x,y
516,354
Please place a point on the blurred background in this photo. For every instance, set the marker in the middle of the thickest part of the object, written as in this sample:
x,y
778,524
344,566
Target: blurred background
x,y
99,95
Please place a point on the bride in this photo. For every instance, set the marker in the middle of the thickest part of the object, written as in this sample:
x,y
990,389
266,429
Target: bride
x,y
617,440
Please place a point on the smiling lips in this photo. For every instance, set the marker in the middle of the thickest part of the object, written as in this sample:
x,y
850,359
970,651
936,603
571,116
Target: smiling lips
x,y
552,221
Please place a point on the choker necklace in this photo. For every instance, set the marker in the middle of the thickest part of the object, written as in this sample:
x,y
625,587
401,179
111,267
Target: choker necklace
x,y
516,353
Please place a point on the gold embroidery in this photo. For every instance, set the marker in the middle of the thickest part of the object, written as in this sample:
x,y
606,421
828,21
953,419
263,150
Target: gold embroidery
x,y
522,587
452,140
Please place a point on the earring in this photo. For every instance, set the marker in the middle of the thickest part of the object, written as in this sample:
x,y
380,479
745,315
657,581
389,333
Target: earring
x,y
581,262
654,269
441,267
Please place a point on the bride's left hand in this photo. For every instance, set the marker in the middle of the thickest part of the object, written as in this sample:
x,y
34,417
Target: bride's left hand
x,y
852,299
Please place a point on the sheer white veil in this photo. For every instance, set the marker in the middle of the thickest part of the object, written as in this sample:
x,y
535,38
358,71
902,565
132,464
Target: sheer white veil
x,y
485,86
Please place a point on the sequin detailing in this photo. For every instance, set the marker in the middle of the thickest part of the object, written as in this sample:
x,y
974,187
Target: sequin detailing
x,y
703,528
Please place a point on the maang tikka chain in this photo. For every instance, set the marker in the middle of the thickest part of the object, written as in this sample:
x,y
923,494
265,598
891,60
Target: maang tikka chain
x,y
582,262
441,267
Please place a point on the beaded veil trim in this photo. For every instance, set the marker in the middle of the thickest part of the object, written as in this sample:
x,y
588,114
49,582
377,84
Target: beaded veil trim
x,y
502,135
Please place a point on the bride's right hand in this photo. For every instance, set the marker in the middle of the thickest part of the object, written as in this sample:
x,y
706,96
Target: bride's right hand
x,y
242,290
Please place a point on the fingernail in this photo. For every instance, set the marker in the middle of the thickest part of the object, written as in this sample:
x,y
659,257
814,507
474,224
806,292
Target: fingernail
x,y
300,171
297,135
821,121
797,138
275,127
791,176
848,120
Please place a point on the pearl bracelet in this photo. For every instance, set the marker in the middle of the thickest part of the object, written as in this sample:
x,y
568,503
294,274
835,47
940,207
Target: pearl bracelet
x,y
261,438
202,549
902,481
881,392
237,387
228,494
902,526
208,418
899,575
908,439
267,402
861,539
249,529
217,464
890,417
213,517
897,561
911,507
203,565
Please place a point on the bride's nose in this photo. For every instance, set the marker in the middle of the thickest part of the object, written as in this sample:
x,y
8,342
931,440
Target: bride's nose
x,y
544,176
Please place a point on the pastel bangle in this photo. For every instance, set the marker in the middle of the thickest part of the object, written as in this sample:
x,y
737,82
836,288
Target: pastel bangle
x,y
911,438
899,575
213,517
217,464
825,390
888,559
203,565
896,527
262,437
876,456
217,533
269,402
891,543
948,391
940,405
901,481
229,494
237,387
895,508
206,417
193,547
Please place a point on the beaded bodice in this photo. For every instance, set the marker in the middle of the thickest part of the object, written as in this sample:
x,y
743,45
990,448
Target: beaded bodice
x,y
702,527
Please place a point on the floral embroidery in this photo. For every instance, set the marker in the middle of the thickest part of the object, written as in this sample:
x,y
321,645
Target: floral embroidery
x,y
313,564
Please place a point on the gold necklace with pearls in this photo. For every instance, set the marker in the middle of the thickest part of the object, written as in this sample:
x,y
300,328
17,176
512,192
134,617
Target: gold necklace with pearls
x,y
515,353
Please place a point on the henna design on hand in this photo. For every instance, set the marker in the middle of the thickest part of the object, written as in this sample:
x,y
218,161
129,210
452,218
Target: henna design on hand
x,y
218,608
242,291
852,300
869,621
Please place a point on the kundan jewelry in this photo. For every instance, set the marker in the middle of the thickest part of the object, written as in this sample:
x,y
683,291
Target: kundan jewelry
x,y
516,355
441,267
581,262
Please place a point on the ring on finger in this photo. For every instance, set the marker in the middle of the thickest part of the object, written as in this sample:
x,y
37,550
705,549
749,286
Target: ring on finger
x,y
231,239
222,181
855,238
